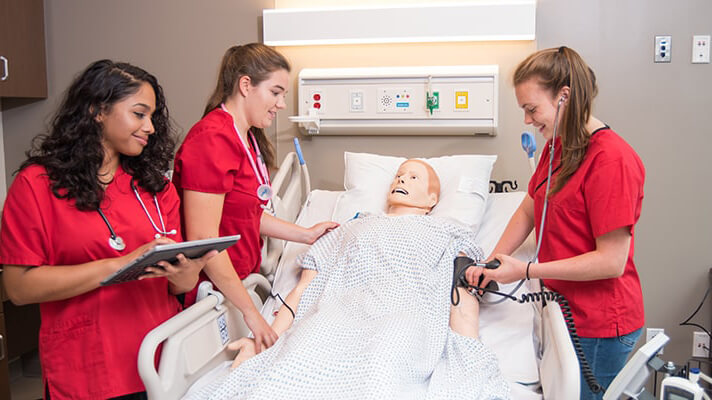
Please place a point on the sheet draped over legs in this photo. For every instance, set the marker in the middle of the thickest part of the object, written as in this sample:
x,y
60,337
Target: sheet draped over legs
x,y
374,322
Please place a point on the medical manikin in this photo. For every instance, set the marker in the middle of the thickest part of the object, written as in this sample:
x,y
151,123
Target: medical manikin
x,y
371,315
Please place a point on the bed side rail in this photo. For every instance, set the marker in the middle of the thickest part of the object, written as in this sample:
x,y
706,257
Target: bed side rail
x,y
193,342
291,187
559,367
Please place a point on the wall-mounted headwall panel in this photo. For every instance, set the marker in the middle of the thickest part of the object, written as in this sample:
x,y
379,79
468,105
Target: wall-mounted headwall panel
x,y
475,21
394,100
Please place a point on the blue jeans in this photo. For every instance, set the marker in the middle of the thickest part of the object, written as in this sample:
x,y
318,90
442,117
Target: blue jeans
x,y
606,357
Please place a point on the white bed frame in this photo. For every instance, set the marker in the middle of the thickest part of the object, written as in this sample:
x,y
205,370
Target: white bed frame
x,y
194,341
291,187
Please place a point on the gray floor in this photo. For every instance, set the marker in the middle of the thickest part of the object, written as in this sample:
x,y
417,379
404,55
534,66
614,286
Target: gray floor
x,y
26,378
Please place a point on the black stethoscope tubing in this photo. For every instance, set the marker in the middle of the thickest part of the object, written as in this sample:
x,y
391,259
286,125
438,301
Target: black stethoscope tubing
x,y
116,242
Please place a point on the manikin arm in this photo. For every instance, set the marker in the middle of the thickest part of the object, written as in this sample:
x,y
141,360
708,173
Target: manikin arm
x,y
282,322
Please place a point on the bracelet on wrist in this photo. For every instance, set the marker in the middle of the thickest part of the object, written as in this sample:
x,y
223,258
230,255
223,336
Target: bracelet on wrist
x,y
527,273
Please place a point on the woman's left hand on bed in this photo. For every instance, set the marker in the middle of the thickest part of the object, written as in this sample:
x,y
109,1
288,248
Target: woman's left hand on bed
x,y
318,230
246,348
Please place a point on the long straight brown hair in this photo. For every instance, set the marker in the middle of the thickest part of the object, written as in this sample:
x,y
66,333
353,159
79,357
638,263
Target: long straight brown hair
x,y
256,61
553,69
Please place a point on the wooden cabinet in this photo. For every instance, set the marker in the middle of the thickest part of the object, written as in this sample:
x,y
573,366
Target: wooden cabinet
x,y
23,67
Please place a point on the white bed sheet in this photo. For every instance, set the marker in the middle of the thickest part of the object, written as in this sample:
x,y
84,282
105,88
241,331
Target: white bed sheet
x,y
507,328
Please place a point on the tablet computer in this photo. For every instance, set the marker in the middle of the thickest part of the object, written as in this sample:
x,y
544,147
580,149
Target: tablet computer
x,y
168,252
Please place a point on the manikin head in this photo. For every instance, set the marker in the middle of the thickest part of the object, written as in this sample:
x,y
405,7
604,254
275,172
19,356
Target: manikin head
x,y
415,189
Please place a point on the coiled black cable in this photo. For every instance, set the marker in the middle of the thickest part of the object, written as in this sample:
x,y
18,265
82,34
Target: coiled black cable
x,y
548,295
543,296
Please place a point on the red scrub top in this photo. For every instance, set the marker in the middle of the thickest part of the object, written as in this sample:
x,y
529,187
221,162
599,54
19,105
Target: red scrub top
x,y
89,343
604,194
213,160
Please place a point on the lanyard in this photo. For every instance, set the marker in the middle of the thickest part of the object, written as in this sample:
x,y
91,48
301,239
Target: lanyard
x,y
261,173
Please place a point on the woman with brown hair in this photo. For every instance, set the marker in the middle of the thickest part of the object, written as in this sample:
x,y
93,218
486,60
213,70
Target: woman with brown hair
x,y
221,172
594,202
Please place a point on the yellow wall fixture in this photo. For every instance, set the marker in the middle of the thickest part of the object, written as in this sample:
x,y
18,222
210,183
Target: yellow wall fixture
x,y
427,100
399,23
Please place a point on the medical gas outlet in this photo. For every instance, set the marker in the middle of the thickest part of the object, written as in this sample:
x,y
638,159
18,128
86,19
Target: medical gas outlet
x,y
439,100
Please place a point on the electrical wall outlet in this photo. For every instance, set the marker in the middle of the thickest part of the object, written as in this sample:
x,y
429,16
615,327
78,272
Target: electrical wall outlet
x,y
701,49
700,345
650,334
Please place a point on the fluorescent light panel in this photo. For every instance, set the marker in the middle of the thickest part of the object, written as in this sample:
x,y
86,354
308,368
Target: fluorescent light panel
x,y
453,22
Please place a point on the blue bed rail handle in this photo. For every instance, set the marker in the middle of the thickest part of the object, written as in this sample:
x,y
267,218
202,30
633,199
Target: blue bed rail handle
x,y
298,149
528,144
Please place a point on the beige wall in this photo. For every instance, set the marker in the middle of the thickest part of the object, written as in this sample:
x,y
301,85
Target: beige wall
x,y
179,41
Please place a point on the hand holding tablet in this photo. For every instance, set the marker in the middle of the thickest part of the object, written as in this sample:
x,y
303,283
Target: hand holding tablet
x,y
168,252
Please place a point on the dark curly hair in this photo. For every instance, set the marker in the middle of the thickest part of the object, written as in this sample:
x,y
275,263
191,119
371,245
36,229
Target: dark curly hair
x,y
72,151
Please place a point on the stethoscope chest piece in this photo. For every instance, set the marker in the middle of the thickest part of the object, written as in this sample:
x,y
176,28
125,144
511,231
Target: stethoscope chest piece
x,y
264,192
117,243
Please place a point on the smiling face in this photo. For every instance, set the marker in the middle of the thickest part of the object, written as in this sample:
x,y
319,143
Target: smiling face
x,y
265,98
539,105
126,125
415,188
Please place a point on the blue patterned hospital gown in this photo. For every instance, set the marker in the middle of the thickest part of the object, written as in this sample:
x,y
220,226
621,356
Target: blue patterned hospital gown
x,y
374,322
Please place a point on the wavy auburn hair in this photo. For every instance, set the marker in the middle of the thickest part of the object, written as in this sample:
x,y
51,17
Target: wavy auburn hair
x,y
72,151
553,69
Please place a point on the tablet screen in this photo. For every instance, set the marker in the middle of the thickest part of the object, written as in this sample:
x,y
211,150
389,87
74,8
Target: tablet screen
x,y
168,252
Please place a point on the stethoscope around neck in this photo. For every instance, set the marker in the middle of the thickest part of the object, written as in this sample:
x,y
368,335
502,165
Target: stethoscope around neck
x,y
116,242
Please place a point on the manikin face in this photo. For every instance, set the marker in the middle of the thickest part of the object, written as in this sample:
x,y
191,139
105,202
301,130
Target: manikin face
x,y
264,99
410,187
127,125
539,106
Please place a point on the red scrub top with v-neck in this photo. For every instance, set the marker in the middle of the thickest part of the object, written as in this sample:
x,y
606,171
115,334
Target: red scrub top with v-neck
x,y
89,343
213,160
604,194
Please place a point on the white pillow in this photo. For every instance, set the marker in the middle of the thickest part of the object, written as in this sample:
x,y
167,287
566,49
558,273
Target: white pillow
x,y
464,185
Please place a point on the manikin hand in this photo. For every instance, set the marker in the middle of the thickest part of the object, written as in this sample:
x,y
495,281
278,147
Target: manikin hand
x,y
246,349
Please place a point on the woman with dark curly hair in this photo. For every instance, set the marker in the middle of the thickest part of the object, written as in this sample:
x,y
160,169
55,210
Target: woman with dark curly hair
x,y
91,197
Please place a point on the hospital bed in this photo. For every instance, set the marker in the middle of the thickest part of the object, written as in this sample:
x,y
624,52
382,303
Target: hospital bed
x,y
531,342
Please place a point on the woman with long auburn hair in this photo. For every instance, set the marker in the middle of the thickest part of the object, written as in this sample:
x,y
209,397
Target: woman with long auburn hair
x,y
594,202
221,172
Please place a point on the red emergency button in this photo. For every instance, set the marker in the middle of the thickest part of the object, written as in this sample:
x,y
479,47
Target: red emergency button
x,y
317,105
317,97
